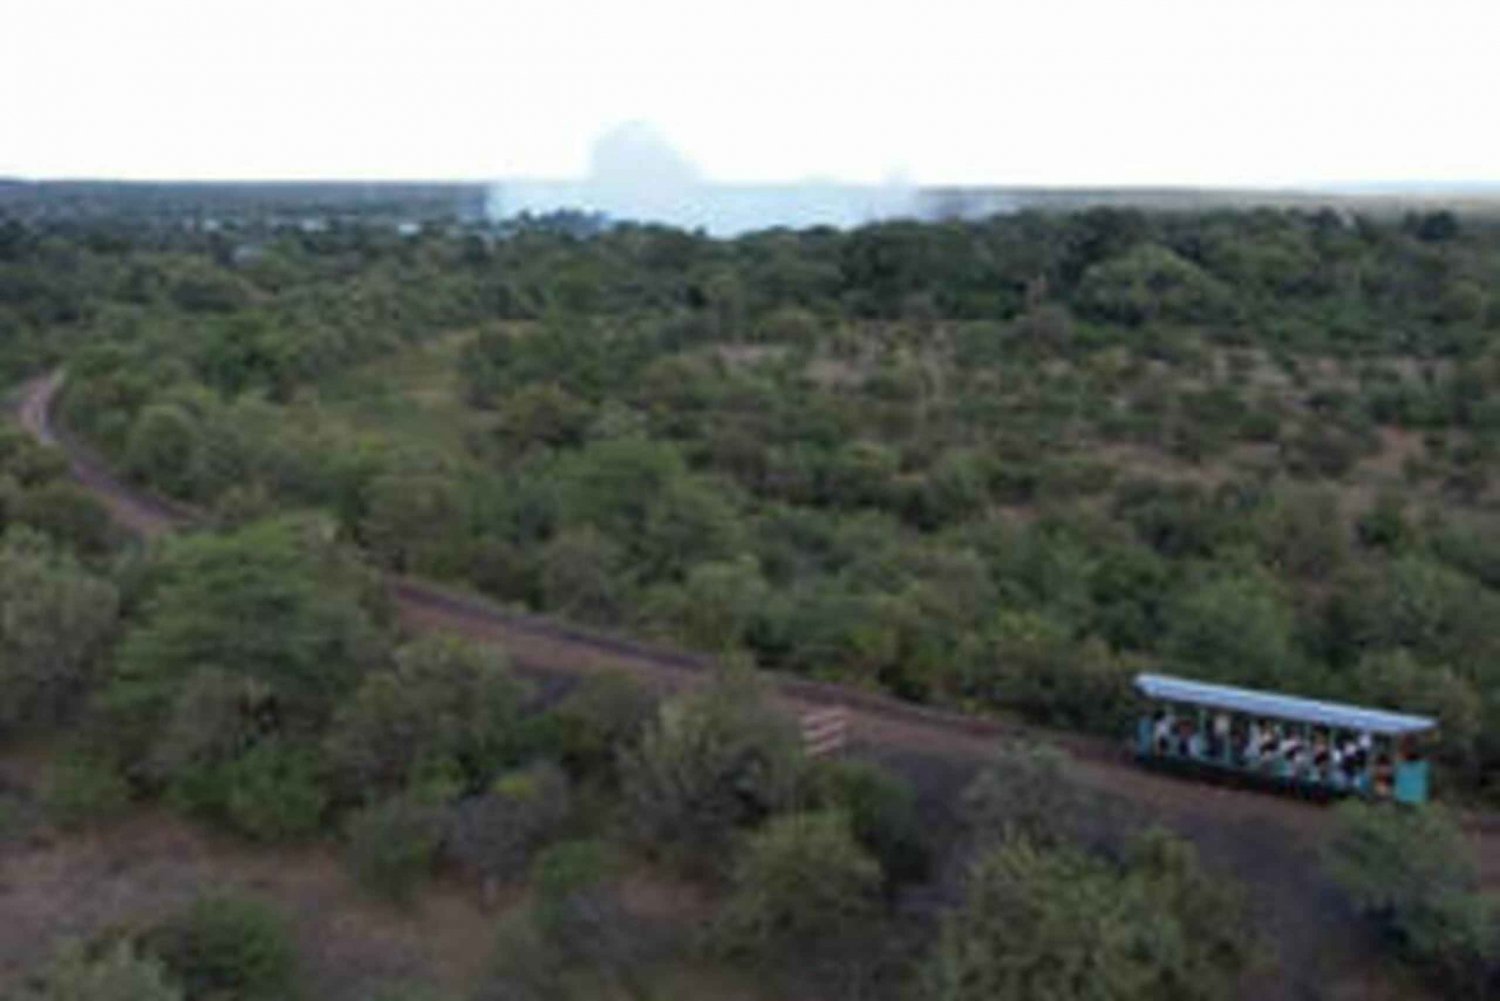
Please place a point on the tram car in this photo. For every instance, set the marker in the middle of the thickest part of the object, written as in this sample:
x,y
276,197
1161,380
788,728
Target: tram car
x,y
1307,746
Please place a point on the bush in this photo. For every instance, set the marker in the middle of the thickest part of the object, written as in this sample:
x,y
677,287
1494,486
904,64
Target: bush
x,y
599,719
496,833
445,707
392,845
274,793
83,790
716,759
1027,791
1412,874
1055,923
116,974
575,942
56,620
801,885
882,812
576,906
228,948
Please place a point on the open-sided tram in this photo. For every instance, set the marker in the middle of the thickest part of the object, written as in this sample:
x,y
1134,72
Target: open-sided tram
x,y
1302,745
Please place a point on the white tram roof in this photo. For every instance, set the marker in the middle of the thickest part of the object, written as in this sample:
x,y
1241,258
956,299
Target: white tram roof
x,y
1284,707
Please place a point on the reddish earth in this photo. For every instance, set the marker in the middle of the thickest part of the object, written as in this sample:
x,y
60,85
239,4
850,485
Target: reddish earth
x,y
1268,841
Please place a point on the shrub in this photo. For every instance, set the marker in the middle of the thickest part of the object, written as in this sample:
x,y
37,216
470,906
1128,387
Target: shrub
x,y
116,974
577,907
1056,923
1412,874
716,759
228,948
575,943
273,793
82,790
598,720
445,706
392,845
55,621
216,716
274,601
1027,791
496,833
882,812
801,884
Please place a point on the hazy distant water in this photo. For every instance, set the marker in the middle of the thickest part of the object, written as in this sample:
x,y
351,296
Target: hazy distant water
x,y
719,209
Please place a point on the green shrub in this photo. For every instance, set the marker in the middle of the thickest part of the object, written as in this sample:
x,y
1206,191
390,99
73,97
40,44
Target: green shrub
x,y
716,759
392,845
444,706
228,948
599,719
83,790
496,834
1057,923
882,812
1412,874
56,621
118,973
801,885
1028,791
274,793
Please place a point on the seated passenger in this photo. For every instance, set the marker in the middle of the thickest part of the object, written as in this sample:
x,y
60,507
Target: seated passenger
x,y
1161,730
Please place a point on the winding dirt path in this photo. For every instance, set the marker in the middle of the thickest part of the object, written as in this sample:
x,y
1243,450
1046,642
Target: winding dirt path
x,y
1268,841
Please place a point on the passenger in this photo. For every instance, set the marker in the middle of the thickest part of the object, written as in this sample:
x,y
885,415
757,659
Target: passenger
x,y
1250,753
1185,731
1270,742
1383,776
1219,746
1337,772
1161,731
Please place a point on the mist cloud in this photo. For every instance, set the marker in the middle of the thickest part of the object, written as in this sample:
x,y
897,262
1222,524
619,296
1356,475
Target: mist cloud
x,y
637,175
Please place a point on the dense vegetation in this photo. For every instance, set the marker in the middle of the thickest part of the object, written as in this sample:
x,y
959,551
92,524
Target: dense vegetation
x,y
998,465
995,464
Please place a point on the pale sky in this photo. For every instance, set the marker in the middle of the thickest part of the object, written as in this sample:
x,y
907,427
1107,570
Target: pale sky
x,y
1065,92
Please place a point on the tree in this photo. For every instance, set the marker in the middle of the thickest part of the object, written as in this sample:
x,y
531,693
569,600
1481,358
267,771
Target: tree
x,y
583,578
882,811
443,709
415,522
1059,924
717,603
716,759
163,449
496,833
1151,283
1232,627
68,514
800,887
542,415
600,720
56,621
1412,874
273,601
1039,924
1027,791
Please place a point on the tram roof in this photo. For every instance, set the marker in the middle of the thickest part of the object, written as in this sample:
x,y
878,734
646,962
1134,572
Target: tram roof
x,y
1164,688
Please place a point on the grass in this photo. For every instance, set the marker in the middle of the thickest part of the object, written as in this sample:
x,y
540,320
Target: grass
x,y
413,397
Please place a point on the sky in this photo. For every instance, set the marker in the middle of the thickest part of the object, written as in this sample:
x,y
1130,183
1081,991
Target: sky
x,y
1050,92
